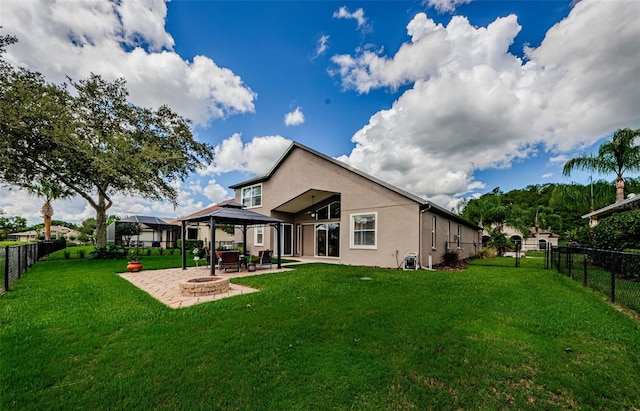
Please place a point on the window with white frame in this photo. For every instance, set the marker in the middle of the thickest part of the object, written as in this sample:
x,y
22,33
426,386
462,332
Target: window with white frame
x,y
258,236
433,232
252,196
364,230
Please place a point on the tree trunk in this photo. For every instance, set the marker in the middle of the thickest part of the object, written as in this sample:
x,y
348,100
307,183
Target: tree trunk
x,y
619,189
101,222
47,214
47,228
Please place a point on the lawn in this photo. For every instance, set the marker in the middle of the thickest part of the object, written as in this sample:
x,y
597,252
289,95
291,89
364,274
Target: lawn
x,y
75,335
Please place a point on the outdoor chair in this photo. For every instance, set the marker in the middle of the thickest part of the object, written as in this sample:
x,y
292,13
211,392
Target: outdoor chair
x,y
264,258
207,256
230,260
219,259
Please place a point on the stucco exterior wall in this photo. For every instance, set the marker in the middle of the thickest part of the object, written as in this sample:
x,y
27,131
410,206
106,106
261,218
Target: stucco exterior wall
x,y
533,242
397,220
446,231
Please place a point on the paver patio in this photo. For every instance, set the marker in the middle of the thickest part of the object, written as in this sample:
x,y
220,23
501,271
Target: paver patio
x,y
163,285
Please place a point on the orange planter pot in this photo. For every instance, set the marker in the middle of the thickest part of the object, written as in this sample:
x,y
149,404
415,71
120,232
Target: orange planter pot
x,y
134,266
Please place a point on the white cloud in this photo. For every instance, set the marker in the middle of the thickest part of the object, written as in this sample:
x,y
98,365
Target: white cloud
x,y
16,202
433,50
446,6
294,118
547,175
255,157
559,159
358,15
473,105
122,39
322,46
215,192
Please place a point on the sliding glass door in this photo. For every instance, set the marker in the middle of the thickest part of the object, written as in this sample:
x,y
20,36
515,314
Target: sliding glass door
x,y
328,240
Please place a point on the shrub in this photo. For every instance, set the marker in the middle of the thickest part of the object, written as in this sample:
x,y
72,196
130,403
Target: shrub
x,y
109,252
630,265
161,251
486,252
618,232
451,259
134,254
67,254
171,251
500,243
81,253
148,251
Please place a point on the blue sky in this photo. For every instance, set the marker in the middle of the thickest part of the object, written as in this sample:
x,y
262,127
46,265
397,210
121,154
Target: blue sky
x,y
447,99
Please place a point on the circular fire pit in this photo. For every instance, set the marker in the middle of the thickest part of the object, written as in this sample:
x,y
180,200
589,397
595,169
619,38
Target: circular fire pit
x,y
198,287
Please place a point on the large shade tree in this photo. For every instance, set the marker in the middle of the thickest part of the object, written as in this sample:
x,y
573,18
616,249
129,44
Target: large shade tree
x,y
93,142
619,155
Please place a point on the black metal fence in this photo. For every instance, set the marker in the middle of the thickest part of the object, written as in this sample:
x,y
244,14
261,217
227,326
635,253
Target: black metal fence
x,y
17,259
615,274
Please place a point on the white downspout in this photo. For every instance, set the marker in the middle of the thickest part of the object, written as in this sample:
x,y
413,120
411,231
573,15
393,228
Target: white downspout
x,y
420,239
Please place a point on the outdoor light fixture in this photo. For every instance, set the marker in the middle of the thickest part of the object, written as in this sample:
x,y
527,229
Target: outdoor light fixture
x,y
313,212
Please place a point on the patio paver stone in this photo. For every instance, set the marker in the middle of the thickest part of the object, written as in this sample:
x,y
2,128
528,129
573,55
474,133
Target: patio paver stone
x,y
164,285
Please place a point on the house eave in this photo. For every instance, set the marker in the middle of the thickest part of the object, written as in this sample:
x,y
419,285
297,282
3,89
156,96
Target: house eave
x,y
624,205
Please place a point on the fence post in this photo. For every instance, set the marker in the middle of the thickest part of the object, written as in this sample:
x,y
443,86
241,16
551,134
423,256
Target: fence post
x,y
585,269
613,278
546,256
19,262
6,268
570,261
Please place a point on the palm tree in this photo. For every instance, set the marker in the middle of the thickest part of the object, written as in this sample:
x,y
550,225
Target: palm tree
x,y
582,198
49,191
478,210
617,156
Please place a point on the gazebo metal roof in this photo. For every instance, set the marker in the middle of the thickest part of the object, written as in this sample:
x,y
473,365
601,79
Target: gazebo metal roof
x,y
233,214
151,222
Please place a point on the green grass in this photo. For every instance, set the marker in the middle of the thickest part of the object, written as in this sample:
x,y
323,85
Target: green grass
x,y
11,243
75,335
627,290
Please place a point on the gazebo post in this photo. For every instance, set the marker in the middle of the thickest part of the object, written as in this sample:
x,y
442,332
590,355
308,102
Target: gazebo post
x,y
244,239
278,234
212,247
182,245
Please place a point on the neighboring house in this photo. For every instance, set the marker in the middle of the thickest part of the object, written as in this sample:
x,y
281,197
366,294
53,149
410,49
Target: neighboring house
x,y
333,211
154,232
632,202
56,232
535,241
202,231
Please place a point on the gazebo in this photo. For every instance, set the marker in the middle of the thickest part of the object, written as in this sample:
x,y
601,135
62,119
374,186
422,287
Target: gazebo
x,y
232,214
155,225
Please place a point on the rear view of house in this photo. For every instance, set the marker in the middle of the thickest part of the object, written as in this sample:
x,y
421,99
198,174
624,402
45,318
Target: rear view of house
x,y
332,211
